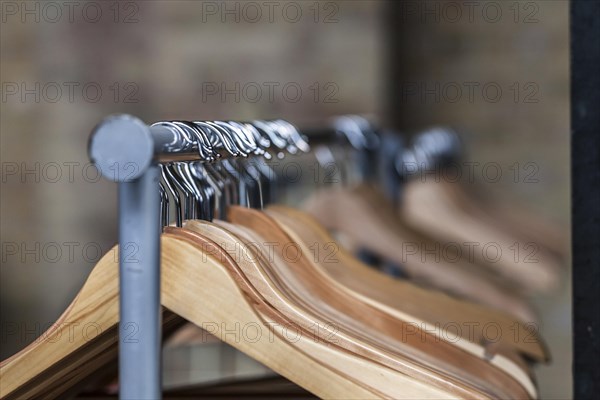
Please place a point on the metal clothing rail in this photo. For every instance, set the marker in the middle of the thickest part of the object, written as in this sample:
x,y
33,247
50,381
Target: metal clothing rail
x,y
128,151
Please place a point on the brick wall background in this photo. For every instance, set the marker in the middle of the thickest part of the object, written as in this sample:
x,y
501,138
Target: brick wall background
x,y
62,74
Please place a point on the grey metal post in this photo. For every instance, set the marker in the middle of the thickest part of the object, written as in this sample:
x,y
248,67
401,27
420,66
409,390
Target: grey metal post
x,y
127,151
139,274
123,148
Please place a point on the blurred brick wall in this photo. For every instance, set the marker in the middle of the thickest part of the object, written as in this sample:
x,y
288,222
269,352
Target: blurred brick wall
x,y
210,60
497,71
157,60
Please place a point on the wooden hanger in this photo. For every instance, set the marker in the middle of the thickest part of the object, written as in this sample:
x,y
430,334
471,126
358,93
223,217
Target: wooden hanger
x,y
403,298
235,306
509,362
431,207
365,318
515,221
80,344
257,240
381,380
379,229
324,330
196,287
96,304
505,360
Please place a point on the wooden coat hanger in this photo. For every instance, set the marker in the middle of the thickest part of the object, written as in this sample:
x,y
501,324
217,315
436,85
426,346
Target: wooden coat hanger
x,y
78,346
230,304
369,319
404,298
515,221
273,292
194,286
301,317
505,360
336,339
379,229
381,380
431,207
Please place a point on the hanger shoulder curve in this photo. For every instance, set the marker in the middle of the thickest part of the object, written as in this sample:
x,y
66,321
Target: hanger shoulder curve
x,y
431,207
47,365
371,378
503,358
386,330
86,329
401,296
310,325
352,214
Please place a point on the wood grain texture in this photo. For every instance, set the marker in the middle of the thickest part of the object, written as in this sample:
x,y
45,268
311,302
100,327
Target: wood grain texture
x,y
381,328
507,361
199,288
406,299
376,378
48,368
204,292
299,313
79,345
206,287
379,229
523,225
438,210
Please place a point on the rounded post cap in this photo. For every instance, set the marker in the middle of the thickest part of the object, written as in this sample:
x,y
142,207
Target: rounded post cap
x,y
121,147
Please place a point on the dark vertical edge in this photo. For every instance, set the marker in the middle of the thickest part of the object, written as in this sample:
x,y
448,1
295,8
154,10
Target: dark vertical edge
x,y
585,181
397,62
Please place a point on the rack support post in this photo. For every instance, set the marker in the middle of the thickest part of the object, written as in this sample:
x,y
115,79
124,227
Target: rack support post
x,y
139,285
123,149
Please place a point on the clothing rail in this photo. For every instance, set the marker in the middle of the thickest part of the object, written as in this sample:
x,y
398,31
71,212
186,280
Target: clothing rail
x,y
128,151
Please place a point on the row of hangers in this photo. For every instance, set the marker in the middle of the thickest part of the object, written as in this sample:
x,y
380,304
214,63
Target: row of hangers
x,y
231,256
437,230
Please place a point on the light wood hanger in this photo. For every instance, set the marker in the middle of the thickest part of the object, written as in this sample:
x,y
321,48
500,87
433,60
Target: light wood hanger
x,y
80,344
504,359
515,221
379,379
253,266
365,317
300,316
240,308
431,207
379,229
403,298
194,286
